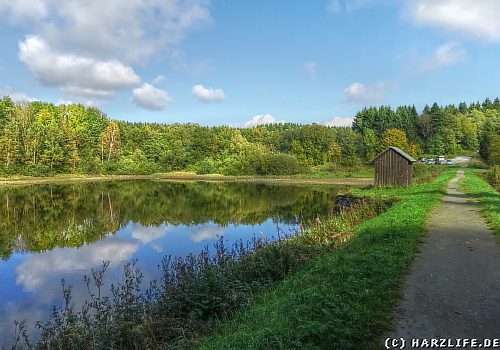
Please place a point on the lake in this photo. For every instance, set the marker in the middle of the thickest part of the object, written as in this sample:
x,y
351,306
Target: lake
x,y
54,232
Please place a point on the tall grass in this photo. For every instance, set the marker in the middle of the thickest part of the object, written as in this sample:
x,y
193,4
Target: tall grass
x,y
477,187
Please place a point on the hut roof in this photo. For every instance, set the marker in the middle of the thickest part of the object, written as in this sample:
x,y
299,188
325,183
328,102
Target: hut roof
x,y
399,151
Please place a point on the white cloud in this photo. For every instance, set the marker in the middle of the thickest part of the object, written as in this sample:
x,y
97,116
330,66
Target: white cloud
x,y
207,233
340,121
445,55
361,93
16,96
61,102
37,270
310,68
339,6
474,18
149,97
131,30
208,95
19,10
262,119
77,76
158,80
86,48
147,234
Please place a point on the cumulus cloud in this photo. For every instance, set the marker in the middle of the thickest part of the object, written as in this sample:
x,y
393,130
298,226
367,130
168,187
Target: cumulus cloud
x,y
132,30
150,97
478,19
39,269
16,96
310,68
445,55
86,48
78,76
262,119
361,93
208,95
340,121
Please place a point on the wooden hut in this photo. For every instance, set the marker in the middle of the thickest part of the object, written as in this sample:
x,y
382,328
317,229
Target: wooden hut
x,y
393,167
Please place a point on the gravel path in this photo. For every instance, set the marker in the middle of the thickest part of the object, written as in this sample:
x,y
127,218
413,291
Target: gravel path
x,y
461,159
453,289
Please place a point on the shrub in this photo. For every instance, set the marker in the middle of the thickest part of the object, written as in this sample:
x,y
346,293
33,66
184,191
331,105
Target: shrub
x,y
132,164
425,173
351,161
279,164
262,164
206,166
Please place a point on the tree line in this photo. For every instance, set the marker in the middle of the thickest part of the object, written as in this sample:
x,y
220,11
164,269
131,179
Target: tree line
x,y
40,138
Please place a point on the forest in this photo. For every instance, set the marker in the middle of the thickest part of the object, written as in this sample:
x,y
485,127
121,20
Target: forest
x,y
43,139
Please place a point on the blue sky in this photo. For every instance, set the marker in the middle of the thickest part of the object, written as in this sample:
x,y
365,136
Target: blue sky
x,y
249,62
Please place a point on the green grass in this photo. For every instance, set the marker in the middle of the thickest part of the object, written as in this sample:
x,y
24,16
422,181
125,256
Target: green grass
x,y
488,197
343,299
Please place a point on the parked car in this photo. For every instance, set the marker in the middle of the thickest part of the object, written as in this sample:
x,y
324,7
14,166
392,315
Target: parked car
x,y
422,160
441,158
448,161
430,161
437,161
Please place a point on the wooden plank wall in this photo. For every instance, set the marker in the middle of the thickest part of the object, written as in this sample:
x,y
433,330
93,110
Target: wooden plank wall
x,y
391,169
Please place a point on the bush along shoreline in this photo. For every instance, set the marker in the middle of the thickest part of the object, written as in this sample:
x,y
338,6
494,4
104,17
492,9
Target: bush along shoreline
x,y
195,294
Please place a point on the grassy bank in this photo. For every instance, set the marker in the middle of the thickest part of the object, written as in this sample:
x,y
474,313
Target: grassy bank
x,y
489,198
342,299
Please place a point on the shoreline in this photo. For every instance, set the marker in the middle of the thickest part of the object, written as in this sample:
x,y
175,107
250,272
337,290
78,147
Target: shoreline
x,y
69,179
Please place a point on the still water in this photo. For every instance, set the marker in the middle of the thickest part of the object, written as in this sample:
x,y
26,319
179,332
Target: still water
x,y
54,232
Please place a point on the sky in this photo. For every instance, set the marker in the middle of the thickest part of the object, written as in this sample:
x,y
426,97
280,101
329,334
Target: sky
x,y
245,63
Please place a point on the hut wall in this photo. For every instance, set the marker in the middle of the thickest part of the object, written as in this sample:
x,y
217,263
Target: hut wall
x,y
391,169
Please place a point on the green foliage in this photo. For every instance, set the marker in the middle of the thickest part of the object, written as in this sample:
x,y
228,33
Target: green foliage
x,y
488,196
256,160
43,139
494,150
206,166
280,164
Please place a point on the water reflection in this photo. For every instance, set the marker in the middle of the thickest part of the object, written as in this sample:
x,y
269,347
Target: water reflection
x,y
54,232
